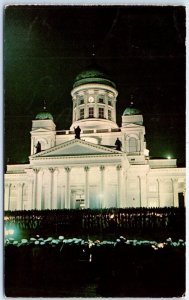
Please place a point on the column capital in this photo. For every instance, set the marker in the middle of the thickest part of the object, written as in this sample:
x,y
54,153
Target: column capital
x,y
36,170
67,169
86,168
8,185
118,167
52,170
102,168
21,184
160,180
174,180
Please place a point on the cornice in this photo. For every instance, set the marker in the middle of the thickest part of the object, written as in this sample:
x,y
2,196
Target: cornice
x,y
110,155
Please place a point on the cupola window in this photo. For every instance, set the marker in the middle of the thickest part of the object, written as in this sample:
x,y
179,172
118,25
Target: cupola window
x,y
110,102
101,100
91,112
109,115
82,113
81,100
101,113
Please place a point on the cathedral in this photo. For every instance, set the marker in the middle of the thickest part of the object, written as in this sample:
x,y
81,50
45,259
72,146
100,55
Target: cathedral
x,y
95,163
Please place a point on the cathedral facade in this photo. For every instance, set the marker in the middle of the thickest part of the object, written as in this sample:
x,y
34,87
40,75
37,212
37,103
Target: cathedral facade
x,y
95,163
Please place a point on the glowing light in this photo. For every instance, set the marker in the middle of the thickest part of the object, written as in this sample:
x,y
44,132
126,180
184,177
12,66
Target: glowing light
x,y
9,232
90,243
168,157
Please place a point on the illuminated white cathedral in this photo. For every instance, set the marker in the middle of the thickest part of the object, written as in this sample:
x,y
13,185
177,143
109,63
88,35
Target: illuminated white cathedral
x,y
92,170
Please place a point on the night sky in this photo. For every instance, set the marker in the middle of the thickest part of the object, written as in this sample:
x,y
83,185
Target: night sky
x,y
141,48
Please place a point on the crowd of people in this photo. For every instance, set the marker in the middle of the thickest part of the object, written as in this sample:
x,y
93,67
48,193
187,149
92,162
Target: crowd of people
x,y
106,220
59,266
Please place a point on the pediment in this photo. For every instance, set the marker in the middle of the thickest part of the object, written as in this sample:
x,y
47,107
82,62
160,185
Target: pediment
x,y
40,129
76,147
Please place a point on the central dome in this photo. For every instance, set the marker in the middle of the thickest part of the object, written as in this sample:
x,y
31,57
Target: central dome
x,y
93,74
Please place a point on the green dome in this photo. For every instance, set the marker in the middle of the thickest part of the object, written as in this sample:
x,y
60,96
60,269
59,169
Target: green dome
x,y
93,75
44,115
131,111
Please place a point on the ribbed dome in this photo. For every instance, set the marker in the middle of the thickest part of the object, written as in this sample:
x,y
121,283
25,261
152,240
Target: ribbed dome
x,y
44,115
93,74
131,110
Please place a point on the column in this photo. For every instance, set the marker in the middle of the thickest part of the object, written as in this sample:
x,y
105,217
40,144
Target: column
x,y
51,186
102,200
35,195
125,186
30,194
159,192
20,196
7,196
143,192
175,192
118,185
86,168
67,194
55,189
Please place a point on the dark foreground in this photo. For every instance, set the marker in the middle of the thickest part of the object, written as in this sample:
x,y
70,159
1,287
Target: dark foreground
x,y
74,268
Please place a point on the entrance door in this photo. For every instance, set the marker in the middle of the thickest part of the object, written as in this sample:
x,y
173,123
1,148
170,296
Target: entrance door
x,y
77,199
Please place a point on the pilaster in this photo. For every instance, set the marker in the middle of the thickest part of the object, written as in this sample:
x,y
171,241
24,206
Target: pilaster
x,y
51,186
175,192
86,168
118,167
67,194
102,199
143,191
35,194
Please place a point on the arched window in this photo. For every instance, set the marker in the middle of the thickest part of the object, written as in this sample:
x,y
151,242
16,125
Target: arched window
x,y
132,144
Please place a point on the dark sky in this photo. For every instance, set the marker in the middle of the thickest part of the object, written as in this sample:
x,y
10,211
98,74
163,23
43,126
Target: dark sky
x,y
142,48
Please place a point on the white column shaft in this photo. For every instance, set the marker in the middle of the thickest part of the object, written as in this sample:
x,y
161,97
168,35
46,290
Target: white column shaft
x,y
86,187
67,198
143,192
20,197
30,194
175,192
102,200
118,186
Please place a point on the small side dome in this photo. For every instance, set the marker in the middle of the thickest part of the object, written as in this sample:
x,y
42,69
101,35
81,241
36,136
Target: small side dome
x,y
44,115
93,74
131,110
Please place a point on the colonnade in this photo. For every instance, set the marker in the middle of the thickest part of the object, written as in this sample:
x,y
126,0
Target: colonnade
x,y
33,195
